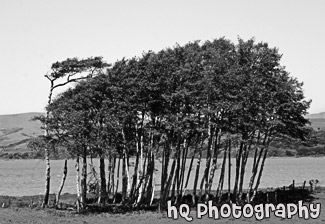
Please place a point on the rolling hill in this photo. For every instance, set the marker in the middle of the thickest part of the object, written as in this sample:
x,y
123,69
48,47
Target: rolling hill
x,y
316,116
317,120
16,130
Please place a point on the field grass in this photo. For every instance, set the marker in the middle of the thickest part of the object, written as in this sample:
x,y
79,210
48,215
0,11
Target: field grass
x,y
23,213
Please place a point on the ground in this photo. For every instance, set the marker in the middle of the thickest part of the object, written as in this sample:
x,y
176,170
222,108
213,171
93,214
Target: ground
x,y
38,215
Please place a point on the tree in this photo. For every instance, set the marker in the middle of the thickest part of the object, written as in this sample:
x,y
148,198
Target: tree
x,y
68,69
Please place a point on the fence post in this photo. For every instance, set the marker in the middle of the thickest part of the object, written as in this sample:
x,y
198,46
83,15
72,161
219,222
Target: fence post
x,y
303,187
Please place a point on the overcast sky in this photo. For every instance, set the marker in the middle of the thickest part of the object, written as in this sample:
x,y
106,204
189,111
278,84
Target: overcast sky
x,y
36,33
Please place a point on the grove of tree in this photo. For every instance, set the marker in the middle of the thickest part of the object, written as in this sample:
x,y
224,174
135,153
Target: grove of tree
x,y
201,101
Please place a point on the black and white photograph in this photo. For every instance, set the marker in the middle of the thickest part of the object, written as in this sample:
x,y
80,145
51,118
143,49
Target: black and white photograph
x,y
139,111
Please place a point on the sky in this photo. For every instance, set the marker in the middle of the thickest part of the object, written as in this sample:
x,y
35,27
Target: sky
x,y
36,33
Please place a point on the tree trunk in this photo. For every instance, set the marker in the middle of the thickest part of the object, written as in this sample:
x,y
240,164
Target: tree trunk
x,y
112,181
229,168
215,159
151,181
47,153
84,177
198,167
184,160
255,169
164,172
256,163
189,170
222,173
135,180
47,178
78,182
260,173
170,178
242,171
171,175
178,167
65,170
256,149
117,178
238,163
142,184
109,174
103,193
205,178
125,176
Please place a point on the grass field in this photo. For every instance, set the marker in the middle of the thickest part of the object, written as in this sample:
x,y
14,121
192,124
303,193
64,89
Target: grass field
x,y
16,214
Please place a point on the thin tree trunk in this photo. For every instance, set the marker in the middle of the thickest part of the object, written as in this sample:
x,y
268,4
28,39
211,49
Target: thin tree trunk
x,y
242,172
205,178
177,173
184,160
139,157
215,160
47,178
125,179
238,164
47,153
189,170
152,180
112,182
170,178
256,149
198,167
149,186
222,172
229,168
153,186
171,175
65,170
255,169
109,174
128,186
103,193
174,184
260,174
146,185
142,185
164,170
78,183
84,177
117,177
135,180
256,164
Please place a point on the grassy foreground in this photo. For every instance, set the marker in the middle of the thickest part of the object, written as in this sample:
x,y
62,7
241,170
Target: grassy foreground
x,y
18,213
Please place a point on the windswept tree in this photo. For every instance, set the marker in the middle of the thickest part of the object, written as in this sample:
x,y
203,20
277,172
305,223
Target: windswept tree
x,y
63,73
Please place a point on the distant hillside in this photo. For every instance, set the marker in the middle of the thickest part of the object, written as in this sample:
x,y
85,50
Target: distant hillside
x,y
316,116
16,130
318,123
317,120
